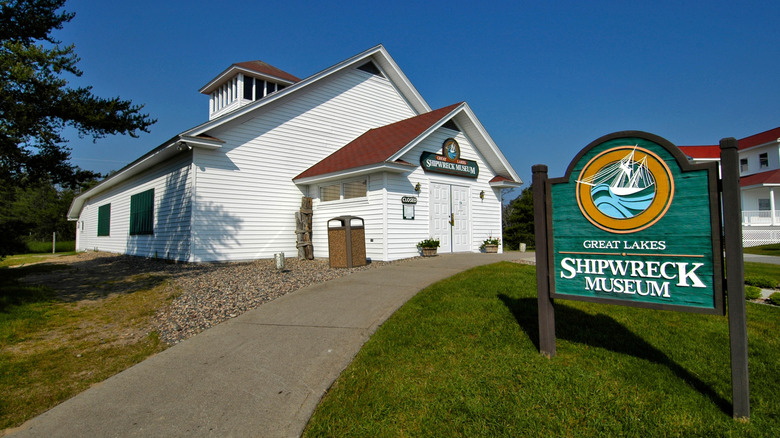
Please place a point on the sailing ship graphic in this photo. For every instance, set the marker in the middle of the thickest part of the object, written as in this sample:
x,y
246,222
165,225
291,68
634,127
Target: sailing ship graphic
x,y
624,188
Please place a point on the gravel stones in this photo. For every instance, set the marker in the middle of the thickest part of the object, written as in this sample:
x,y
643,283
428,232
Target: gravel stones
x,y
210,294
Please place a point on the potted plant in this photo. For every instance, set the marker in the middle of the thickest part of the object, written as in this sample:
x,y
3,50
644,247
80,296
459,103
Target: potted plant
x,y
490,244
429,247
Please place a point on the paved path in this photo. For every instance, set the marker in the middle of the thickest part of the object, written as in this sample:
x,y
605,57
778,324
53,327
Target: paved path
x,y
260,374
774,260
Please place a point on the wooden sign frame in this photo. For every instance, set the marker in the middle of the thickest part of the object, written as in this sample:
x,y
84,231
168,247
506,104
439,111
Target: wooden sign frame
x,y
725,190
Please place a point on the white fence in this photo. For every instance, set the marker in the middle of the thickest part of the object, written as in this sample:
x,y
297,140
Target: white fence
x,y
760,217
754,237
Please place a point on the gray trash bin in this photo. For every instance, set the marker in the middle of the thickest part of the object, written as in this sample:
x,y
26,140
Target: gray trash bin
x,y
346,242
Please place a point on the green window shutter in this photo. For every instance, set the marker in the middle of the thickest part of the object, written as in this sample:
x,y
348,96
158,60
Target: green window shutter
x,y
104,220
142,213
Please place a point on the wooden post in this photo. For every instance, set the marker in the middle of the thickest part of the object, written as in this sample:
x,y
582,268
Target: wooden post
x,y
735,277
303,225
541,220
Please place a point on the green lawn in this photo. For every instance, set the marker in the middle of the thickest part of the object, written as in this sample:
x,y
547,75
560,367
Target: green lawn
x,y
461,359
50,349
771,249
26,259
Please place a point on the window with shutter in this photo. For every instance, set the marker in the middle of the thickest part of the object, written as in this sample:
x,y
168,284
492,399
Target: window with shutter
x,y
104,220
142,213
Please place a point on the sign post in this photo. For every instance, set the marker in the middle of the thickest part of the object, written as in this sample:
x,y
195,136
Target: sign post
x,y
545,303
735,283
633,222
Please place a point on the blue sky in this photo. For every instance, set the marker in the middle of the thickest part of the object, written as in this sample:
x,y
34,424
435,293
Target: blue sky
x,y
544,78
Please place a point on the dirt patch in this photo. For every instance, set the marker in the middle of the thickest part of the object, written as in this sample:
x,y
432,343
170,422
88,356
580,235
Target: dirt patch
x,y
198,296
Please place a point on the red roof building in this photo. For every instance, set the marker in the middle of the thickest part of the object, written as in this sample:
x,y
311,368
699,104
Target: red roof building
x,y
356,139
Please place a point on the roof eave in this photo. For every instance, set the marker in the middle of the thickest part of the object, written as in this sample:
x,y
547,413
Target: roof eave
x,y
760,185
164,152
507,184
769,143
357,171
423,135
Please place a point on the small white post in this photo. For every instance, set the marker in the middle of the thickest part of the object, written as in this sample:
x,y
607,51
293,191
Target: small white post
x,y
772,205
53,242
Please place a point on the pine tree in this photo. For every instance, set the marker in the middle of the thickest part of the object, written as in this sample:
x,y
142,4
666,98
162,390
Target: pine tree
x,y
36,103
519,220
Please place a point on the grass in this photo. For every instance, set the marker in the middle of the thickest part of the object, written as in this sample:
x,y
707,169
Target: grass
x,y
50,350
763,270
26,259
461,359
770,250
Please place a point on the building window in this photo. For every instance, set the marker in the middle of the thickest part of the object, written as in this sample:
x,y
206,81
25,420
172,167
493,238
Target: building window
x,y
142,213
743,165
104,220
763,204
330,193
763,160
355,189
346,190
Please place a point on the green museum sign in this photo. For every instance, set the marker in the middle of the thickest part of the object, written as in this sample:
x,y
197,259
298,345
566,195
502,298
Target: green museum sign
x,y
449,162
635,223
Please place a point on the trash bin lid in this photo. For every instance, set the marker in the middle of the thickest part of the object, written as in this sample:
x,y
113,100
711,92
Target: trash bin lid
x,y
344,220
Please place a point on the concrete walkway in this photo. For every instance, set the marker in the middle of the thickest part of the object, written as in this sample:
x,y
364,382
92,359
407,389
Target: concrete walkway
x,y
772,260
260,374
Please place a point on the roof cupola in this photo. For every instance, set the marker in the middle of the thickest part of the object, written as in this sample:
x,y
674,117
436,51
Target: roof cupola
x,y
243,83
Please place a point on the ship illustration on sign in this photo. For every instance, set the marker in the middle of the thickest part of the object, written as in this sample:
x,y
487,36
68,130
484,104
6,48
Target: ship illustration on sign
x,y
624,188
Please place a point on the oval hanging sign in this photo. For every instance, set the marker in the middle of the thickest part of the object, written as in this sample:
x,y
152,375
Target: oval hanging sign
x,y
449,163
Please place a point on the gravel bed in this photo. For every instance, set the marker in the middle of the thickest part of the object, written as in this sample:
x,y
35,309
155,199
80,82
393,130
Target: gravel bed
x,y
210,294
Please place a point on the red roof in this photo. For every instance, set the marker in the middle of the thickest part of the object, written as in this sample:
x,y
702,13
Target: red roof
x,y
768,177
701,151
377,145
267,69
759,139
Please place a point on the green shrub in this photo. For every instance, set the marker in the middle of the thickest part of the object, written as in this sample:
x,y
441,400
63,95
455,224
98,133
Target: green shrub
x,y
760,281
45,247
752,292
775,298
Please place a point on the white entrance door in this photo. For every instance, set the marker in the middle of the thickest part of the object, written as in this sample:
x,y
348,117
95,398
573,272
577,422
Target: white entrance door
x,y
440,216
461,229
450,217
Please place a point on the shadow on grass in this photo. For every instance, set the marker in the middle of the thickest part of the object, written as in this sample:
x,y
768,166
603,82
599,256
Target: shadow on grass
x,y
86,279
602,331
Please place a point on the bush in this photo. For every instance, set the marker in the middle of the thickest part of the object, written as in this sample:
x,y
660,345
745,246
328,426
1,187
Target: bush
x,y
45,247
775,298
752,292
760,281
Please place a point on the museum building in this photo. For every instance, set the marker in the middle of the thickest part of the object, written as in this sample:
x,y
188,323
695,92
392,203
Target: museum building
x,y
357,138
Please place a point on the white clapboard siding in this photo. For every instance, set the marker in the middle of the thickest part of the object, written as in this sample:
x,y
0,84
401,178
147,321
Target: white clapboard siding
x,y
245,200
172,184
404,234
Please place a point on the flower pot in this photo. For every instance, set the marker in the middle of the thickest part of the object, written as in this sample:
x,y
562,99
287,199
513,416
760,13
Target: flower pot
x,y
491,248
429,252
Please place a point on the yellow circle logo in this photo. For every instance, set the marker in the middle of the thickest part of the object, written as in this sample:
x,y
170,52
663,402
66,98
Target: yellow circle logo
x,y
625,189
